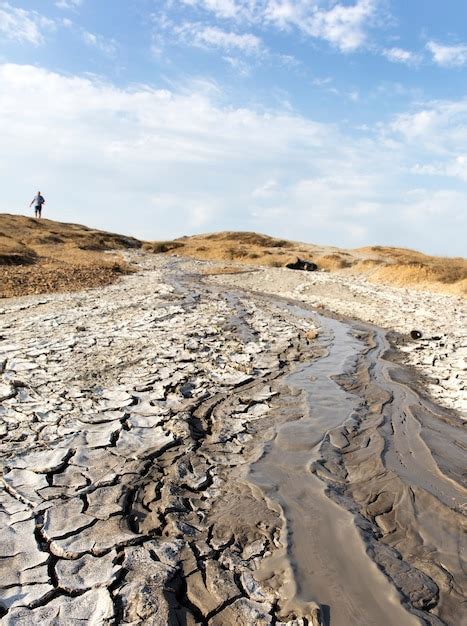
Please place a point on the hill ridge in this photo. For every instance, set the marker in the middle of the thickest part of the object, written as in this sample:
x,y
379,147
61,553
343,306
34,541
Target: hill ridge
x,y
46,255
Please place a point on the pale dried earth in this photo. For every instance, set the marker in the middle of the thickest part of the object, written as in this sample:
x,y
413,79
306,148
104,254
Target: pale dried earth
x,y
180,449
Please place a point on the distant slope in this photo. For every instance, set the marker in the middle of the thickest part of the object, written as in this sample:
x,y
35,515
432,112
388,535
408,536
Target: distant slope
x,y
395,266
38,256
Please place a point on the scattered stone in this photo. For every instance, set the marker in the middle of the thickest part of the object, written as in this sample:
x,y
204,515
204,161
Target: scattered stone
x,y
299,264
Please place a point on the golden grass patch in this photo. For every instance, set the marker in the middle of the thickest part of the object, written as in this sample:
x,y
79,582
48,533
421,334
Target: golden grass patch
x,y
38,256
450,277
14,252
332,262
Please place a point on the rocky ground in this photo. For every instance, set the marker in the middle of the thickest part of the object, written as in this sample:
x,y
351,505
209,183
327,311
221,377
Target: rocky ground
x,y
131,417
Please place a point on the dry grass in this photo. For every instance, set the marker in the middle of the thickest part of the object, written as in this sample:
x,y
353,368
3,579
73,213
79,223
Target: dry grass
x,y
38,256
333,262
363,265
450,278
409,268
225,269
159,247
241,247
15,253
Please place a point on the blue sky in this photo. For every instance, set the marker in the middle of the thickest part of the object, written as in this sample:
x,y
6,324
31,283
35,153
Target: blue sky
x,y
327,121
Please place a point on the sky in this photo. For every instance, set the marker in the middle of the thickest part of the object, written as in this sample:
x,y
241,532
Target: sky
x,y
339,122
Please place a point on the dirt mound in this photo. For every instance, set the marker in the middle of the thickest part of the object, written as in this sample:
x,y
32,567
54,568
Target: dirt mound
x,y
242,247
31,232
38,256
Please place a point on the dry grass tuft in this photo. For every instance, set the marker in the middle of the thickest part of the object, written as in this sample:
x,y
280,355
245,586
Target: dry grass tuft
x,y
241,247
234,252
332,262
451,276
249,238
158,247
15,253
363,265
32,233
226,269
403,267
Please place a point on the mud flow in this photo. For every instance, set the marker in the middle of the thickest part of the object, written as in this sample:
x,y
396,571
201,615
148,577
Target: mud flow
x,y
360,487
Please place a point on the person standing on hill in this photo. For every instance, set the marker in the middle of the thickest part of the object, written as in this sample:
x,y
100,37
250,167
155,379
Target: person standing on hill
x,y
38,201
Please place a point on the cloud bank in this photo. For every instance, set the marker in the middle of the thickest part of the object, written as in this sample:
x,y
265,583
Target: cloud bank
x,y
159,163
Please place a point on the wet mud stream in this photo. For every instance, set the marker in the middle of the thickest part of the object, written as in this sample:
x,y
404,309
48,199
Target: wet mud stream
x,y
359,436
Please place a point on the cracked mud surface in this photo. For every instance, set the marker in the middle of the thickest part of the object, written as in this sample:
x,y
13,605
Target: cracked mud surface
x,y
176,452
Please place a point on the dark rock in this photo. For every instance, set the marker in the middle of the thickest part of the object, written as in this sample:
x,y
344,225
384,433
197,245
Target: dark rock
x,y
300,264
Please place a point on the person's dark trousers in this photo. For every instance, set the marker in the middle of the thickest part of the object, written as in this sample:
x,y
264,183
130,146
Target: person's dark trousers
x,y
38,211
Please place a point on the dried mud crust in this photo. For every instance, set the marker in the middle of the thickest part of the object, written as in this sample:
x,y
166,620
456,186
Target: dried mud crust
x,y
130,419
129,416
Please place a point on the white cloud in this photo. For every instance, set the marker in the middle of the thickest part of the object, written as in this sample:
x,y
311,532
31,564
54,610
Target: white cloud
x,y
221,8
266,190
448,56
439,204
158,162
399,55
197,34
439,127
23,26
239,65
342,25
322,82
68,4
456,168
107,46
416,125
